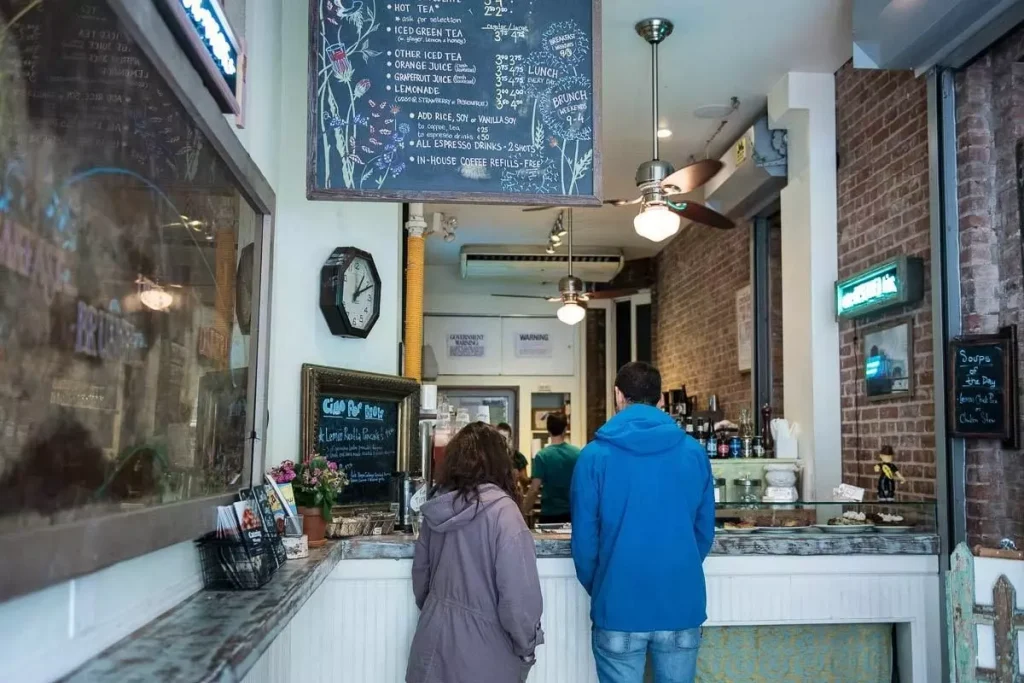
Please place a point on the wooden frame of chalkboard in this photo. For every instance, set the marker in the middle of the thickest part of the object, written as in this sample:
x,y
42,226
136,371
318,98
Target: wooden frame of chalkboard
x,y
966,386
343,67
366,422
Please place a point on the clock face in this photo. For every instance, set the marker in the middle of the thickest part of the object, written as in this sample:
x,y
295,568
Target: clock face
x,y
359,291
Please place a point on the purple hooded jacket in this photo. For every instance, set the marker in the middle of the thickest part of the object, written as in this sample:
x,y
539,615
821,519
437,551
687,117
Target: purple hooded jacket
x,y
475,580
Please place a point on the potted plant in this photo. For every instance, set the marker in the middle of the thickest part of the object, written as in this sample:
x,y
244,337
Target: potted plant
x,y
316,485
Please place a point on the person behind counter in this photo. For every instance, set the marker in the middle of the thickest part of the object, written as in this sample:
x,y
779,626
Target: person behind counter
x,y
552,469
474,573
643,520
519,461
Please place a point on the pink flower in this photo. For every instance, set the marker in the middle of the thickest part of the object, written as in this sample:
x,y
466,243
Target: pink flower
x,y
340,64
332,466
315,481
361,87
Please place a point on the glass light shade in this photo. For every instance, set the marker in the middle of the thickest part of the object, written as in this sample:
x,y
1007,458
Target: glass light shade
x,y
571,313
156,299
656,223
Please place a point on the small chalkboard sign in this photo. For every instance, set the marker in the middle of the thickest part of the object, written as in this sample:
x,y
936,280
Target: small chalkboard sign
x,y
364,422
983,386
494,101
361,436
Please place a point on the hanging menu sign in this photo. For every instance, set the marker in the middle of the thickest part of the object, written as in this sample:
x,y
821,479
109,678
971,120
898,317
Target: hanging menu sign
x,y
361,436
490,101
983,372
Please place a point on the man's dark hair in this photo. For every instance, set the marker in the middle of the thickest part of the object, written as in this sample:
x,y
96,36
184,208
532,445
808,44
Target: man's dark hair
x,y
504,427
556,424
639,382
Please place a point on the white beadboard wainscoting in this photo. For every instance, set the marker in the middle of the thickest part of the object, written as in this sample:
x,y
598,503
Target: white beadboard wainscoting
x,y
358,626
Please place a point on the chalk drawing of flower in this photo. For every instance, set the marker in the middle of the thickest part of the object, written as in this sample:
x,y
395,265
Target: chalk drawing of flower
x,y
340,63
358,140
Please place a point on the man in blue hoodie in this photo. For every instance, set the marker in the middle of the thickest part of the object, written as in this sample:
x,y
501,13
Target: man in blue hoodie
x,y
643,520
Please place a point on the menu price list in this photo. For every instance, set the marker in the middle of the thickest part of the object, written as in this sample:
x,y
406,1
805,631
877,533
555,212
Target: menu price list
x,y
458,96
361,436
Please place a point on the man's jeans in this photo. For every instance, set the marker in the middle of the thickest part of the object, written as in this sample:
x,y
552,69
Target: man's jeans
x,y
622,657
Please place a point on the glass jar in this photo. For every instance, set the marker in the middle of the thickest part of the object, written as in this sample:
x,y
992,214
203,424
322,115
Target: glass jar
x,y
747,490
719,489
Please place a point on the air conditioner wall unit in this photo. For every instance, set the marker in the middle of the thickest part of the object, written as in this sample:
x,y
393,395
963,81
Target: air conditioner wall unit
x,y
754,170
502,262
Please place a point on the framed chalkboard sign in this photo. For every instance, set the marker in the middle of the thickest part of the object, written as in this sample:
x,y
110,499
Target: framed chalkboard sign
x,y
983,387
367,423
491,101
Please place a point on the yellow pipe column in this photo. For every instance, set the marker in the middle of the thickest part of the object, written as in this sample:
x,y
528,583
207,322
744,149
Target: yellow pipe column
x,y
416,227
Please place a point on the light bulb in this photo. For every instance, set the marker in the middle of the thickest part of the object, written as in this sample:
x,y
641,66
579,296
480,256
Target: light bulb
x,y
571,313
656,223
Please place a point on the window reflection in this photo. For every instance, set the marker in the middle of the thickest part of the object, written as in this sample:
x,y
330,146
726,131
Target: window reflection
x,y
126,279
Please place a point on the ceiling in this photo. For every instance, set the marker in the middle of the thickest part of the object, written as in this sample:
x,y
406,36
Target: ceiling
x,y
718,50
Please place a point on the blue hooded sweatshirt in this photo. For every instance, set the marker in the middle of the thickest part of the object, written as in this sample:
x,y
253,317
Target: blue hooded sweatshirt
x,y
643,520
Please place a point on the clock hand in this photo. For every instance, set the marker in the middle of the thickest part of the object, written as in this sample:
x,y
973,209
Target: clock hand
x,y
360,291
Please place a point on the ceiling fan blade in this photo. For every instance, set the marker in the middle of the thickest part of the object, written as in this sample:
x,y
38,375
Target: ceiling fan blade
x,y
527,296
623,202
689,178
698,213
539,208
611,293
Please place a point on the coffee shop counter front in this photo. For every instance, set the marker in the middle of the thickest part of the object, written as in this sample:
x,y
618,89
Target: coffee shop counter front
x,y
802,607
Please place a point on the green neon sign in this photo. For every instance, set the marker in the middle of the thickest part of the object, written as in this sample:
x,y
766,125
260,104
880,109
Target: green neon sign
x,y
897,282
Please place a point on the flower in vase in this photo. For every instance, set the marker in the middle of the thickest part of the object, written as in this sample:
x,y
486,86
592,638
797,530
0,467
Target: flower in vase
x,y
361,88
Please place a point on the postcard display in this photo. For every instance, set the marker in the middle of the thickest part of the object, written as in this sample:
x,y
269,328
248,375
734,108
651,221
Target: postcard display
x,y
472,100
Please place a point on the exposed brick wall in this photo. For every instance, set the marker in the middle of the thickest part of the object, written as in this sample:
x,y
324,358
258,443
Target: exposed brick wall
x,y
882,140
698,275
990,121
597,365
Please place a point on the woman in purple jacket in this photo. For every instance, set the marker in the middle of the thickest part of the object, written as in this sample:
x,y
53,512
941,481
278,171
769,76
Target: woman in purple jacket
x,y
475,571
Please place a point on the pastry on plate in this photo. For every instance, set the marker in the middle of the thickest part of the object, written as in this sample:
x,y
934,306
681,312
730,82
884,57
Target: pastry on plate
x,y
849,518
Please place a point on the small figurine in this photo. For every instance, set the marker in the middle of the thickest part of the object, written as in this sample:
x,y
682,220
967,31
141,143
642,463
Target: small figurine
x,y
889,475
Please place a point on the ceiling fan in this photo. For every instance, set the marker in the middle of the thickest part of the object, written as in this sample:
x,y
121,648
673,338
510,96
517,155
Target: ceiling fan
x,y
657,179
571,291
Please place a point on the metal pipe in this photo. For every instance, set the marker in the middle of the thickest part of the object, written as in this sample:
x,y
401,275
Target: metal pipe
x,y
654,97
568,229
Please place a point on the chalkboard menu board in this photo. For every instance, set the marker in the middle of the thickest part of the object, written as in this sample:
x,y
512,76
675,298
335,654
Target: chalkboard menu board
x,y
462,100
363,421
361,436
983,373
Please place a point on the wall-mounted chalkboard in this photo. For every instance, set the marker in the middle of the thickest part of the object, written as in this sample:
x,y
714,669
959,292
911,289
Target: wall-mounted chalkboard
x,y
983,386
361,436
494,101
367,423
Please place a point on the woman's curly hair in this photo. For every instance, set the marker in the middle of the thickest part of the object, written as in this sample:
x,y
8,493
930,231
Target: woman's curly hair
x,y
478,455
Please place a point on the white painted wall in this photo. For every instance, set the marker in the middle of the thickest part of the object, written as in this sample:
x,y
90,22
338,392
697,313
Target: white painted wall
x,y
50,633
805,105
446,293
305,234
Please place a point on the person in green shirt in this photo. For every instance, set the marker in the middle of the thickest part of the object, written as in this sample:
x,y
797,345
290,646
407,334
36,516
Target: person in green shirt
x,y
552,469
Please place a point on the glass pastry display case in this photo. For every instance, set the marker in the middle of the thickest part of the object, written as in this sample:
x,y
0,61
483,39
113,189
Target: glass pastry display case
x,y
831,517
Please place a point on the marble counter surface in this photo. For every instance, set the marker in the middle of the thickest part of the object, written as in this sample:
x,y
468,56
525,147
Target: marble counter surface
x,y
214,635
400,546
220,635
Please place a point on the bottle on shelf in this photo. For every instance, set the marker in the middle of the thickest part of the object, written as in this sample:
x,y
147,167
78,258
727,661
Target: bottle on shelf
x,y
684,403
767,442
711,444
688,425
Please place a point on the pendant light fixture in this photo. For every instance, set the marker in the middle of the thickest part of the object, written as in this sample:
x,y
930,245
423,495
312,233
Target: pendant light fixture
x,y
572,311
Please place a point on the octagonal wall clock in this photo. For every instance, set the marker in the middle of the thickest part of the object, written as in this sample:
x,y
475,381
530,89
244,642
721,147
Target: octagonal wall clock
x,y
350,291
